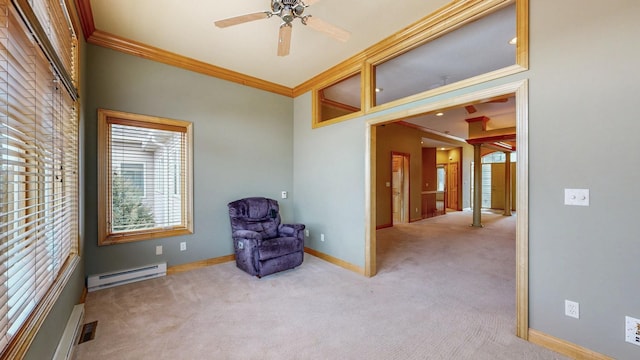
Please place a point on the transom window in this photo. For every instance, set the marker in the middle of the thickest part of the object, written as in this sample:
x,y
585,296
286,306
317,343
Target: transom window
x,y
146,166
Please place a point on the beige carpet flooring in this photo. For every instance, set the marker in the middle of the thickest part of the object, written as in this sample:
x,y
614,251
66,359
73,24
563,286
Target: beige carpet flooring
x,y
443,291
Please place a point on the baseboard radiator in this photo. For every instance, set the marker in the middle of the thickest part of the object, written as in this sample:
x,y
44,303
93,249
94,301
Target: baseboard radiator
x,y
107,280
69,339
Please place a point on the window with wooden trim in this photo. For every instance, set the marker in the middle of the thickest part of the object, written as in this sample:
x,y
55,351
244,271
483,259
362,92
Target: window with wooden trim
x,y
39,215
462,44
338,100
145,172
486,43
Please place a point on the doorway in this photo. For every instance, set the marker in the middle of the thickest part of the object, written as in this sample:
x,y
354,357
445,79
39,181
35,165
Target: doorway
x,y
400,187
520,90
441,189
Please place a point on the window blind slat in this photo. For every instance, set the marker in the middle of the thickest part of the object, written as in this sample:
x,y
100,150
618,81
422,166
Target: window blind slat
x,y
38,159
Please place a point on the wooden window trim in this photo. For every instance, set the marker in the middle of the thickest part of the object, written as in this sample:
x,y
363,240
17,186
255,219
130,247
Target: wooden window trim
x,y
318,99
28,15
448,18
105,119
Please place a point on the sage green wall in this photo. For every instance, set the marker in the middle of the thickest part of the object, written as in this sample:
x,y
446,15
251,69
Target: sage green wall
x,y
242,147
584,88
328,168
584,83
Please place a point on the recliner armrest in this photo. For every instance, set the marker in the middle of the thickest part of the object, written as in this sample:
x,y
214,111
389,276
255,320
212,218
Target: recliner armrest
x,y
247,234
295,226
290,229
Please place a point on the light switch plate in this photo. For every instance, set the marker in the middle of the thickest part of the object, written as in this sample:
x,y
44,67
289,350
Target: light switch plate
x,y
576,197
284,194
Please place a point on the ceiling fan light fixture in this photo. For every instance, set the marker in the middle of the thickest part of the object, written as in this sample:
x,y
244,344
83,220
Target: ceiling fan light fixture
x,y
276,6
298,9
287,15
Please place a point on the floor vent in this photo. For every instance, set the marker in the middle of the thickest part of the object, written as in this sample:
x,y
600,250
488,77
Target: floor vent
x,y
107,280
67,344
88,332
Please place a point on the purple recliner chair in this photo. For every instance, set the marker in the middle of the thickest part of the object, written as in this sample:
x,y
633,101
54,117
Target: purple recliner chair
x,y
262,244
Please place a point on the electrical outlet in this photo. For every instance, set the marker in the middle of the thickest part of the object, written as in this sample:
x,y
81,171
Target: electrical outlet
x,y
576,197
572,309
306,232
321,237
183,246
159,250
632,330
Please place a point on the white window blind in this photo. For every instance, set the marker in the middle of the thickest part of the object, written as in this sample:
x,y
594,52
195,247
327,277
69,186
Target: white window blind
x,y
147,166
56,23
38,178
145,162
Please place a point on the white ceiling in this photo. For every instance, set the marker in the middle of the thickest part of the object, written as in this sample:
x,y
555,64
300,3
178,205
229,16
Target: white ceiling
x,y
186,27
501,115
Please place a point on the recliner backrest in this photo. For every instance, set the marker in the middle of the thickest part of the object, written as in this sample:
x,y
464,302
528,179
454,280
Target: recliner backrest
x,y
257,214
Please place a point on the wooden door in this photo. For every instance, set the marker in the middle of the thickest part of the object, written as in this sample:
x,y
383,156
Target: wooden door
x,y
453,186
497,186
400,188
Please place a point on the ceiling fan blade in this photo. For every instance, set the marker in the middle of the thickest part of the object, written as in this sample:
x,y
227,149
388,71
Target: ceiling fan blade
x,y
284,39
325,27
242,19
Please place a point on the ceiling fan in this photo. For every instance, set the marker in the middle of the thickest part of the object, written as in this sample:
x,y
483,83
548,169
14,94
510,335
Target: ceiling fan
x,y
288,11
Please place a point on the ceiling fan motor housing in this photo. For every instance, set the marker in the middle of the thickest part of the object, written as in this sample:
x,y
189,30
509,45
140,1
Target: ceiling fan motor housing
x,y
288,10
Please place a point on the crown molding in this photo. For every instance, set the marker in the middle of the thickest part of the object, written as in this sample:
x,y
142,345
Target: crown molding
x,y
110,41
127,46
83,7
